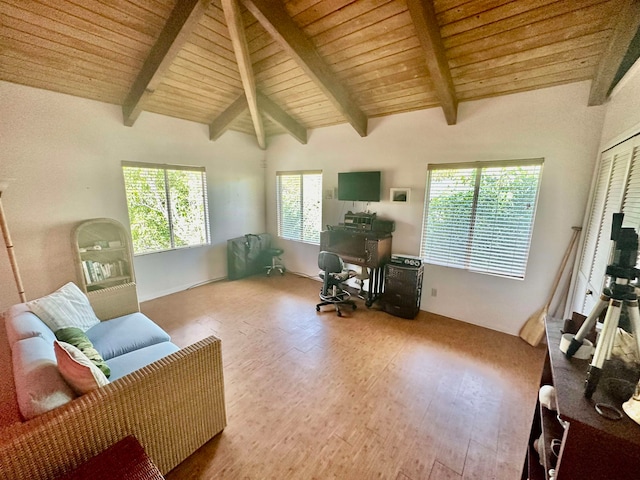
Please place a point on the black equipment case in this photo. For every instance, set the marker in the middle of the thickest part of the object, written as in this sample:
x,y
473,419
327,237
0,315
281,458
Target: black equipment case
x,y
246,255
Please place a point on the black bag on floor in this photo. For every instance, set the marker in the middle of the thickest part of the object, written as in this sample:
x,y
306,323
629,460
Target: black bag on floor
x,y
246,255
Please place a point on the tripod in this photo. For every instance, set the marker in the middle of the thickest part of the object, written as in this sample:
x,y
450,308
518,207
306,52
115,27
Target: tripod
x,y
621,294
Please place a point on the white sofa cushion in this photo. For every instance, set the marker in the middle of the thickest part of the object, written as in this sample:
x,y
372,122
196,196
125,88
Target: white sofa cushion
x,y
22,323
66,307
76,368
39,385
125,334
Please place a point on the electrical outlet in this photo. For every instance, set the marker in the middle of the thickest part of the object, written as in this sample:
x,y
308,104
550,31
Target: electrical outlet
x,y
434,292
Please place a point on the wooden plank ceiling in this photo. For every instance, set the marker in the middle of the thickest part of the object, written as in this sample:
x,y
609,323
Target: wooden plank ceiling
x,y
273,67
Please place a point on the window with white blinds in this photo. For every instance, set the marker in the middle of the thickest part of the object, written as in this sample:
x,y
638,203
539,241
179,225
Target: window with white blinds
x,y
479,216
299,205
167,206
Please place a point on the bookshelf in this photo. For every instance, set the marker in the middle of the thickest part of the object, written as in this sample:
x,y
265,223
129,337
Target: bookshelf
x,y
592,447
103,254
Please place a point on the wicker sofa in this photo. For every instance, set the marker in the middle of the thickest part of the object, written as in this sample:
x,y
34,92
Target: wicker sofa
x,y
172,406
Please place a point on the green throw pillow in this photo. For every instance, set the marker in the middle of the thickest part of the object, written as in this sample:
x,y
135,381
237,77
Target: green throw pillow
x,y
78,339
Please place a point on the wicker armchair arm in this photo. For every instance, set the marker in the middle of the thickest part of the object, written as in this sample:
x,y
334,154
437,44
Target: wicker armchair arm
x,y
172,406
114,301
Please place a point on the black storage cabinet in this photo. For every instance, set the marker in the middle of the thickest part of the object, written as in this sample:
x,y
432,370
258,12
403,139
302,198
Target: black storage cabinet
x,y
402,290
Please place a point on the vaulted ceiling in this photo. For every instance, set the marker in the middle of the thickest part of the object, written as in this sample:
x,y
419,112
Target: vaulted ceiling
x,y
268,67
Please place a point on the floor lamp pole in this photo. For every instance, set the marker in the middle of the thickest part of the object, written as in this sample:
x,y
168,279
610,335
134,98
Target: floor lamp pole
x,y
10,252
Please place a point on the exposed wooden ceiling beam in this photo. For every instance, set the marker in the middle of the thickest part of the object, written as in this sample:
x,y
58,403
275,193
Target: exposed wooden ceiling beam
x,y
627,25
279,116
428,30
274,18
184,17
226,118
266,106
241,48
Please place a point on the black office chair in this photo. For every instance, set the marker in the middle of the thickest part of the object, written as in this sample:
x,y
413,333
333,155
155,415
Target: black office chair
x,y
333,274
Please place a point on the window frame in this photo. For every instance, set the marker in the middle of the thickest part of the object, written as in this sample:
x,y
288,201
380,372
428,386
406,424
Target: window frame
x,y
468,257
279,221
166,168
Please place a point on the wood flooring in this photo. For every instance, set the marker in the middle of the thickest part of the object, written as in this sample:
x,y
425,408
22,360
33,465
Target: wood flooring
x,y
311,395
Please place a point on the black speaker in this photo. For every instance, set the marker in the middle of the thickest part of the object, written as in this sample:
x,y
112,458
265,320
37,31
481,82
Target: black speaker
x,y
402,290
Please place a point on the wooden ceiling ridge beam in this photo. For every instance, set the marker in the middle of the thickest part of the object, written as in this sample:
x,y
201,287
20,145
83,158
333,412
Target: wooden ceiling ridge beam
x,y
235,25
266,106
183,19
428,30
274,18
226,118
627,24
279,116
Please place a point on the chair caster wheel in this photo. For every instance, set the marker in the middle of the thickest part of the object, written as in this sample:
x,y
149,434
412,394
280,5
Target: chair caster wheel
x,y
354,307
339,313
317,309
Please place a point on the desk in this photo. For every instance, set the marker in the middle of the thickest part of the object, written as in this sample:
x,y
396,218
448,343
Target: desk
x,y
368,249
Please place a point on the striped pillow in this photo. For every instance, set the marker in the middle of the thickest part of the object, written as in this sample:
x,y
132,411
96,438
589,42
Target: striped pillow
x,y
66,307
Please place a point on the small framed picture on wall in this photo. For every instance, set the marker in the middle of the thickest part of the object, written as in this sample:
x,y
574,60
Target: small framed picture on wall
x,y
400,195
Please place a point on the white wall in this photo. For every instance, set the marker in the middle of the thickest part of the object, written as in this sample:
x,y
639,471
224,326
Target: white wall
x,y
622,118
622,121
64,154
553,123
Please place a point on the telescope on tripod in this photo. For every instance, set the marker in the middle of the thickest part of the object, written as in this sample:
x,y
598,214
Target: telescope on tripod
x,y
618,295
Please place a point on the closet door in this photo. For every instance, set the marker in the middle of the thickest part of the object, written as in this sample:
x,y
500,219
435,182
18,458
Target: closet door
x,y
607,200
631,201
581,297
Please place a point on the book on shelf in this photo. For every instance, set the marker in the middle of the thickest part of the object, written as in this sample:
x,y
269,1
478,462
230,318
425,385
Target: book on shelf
x,y
100,271
85,270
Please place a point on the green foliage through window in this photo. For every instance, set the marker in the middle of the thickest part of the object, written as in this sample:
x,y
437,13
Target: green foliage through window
x,y
479,217
299,205
167,206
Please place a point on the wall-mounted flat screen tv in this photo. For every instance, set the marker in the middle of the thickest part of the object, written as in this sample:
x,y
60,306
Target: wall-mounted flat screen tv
x,y
359,186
